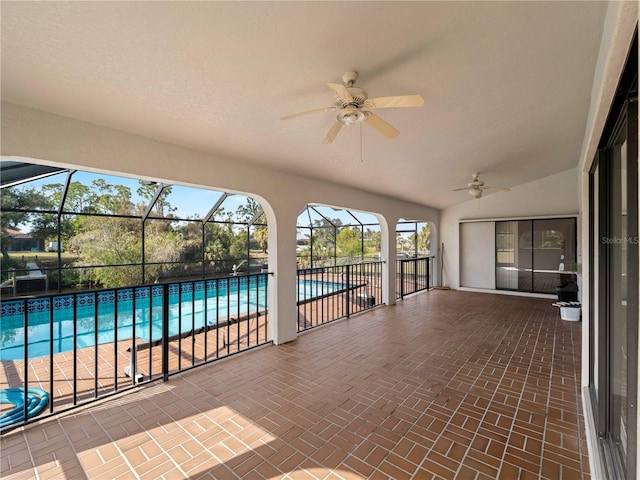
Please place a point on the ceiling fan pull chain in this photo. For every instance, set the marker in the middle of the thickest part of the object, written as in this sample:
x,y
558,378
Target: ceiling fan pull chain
x,y
361,143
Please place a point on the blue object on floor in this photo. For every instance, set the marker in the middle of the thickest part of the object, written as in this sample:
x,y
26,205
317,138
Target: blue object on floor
x,y
36,400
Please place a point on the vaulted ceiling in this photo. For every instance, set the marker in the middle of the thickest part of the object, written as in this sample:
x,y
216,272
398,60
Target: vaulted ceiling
x,y
507,85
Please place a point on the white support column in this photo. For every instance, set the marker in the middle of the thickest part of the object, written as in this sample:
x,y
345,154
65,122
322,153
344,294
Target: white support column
x,y
388,247
283,312
434,252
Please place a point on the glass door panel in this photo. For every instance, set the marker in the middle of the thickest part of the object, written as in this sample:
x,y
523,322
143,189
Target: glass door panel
x,y
618,246
506,264
525,255
554,253
596,272
531,254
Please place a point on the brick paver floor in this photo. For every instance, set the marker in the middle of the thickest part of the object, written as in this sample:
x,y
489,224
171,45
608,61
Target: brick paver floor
x,y
445,384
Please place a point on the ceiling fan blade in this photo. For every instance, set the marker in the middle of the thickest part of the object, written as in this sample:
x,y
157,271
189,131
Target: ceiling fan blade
x,y
341,91
333,132
498,189
460,189
310,112
392,102
380,125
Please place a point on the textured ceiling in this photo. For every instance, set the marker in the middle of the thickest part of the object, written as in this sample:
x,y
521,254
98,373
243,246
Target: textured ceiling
x,y
506,85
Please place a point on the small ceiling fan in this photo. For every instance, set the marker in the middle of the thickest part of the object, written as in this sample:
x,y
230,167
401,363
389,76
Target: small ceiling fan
x,y
350,102
477,186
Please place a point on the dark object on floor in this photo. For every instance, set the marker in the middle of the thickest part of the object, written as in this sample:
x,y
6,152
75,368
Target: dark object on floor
x,y
568,292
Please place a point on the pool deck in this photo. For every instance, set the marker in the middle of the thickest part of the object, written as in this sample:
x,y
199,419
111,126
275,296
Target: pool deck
x,y
96,380
92,381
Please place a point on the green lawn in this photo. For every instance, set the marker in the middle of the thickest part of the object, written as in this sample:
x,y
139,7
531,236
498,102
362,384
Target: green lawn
x,y
43,259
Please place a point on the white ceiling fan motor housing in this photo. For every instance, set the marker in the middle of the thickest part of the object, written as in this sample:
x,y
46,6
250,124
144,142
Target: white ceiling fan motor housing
x,y
359,96
349,78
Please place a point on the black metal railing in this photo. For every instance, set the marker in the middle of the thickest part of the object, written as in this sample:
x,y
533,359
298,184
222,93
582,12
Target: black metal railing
x,y
306,261
413,275
325,294
44,278
75,348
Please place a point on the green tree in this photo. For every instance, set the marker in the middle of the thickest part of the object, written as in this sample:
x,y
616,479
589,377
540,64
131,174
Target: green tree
x,y
246,212
162,247
79,197
261,236
324,238
161,208
372,241
403,244
105,243
424,239
239,244
15,205
115,243
191,237
218,246
110,199
349,242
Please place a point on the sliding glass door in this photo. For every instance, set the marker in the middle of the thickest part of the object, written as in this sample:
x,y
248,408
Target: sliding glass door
x,y
535,255
613,225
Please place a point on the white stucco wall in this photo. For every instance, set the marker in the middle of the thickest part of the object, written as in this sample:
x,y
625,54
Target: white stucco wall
x,y
62,141
556,195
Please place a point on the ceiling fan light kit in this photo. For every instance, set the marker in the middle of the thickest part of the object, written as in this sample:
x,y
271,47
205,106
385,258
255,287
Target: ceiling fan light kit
x,y
475,192
350,102
350,115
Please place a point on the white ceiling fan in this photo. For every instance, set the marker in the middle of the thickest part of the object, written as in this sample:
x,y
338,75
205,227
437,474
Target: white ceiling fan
x,y
350,102
477,186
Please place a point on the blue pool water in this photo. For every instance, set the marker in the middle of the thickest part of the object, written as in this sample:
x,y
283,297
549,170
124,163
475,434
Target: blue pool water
x,y
198,304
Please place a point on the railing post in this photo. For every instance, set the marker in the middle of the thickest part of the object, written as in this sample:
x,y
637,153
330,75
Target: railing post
x,y
428,273
165,332
115,338
75,349
134,352
348,306
95,342
179,326
51,352
25,410
415,275
401,279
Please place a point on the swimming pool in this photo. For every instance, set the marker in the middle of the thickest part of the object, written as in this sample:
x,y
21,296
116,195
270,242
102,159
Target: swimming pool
x,y
192,305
